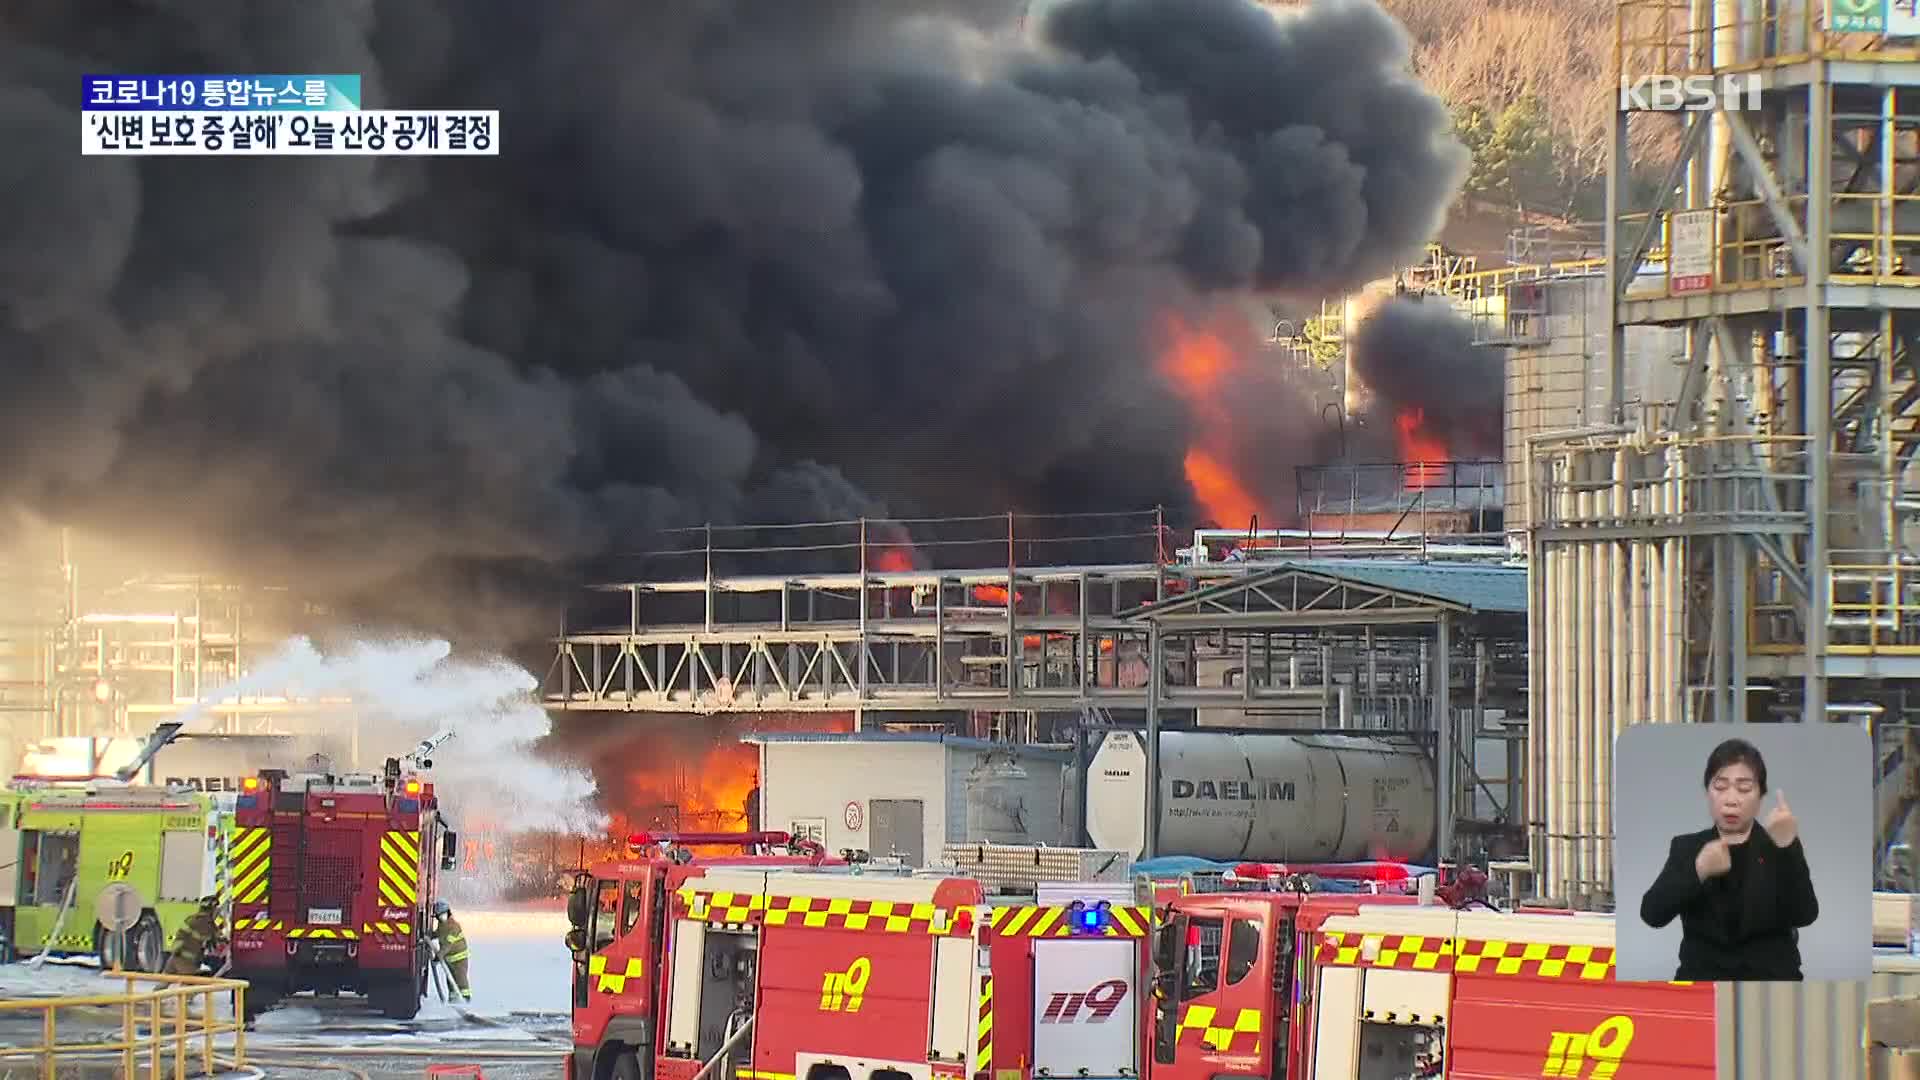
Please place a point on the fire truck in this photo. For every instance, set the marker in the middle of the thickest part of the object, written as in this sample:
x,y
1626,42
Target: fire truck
x,y
778,966
330,882
765,970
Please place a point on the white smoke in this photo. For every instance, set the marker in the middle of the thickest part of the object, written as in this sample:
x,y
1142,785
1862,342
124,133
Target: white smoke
x,y
405,691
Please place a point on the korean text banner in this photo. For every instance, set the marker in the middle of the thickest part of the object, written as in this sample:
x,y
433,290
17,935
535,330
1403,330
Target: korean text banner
x,y
220,93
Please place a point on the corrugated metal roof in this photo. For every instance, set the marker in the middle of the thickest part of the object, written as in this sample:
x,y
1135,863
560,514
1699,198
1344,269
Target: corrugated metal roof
x,y
1479,588
957,742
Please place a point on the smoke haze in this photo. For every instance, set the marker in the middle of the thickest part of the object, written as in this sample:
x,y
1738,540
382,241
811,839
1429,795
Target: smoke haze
x,y
405,692
736,261
1417,353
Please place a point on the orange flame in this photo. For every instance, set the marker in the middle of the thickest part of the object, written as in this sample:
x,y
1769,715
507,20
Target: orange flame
x,y
1199,363
696,779
992,594
892,559
1424,453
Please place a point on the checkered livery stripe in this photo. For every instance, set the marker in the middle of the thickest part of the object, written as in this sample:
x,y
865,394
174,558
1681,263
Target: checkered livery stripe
x,y
1127,922
399,869
614,981
250,857
983,1032
1590,963
1200,1024
820,912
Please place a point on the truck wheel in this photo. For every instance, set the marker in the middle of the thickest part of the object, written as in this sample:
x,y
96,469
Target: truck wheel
x,y
259,1001
393,1002
108,946
627,1066
400,999
146,945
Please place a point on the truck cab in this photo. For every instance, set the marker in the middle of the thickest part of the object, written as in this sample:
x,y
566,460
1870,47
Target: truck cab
x,y
1232,982
620,915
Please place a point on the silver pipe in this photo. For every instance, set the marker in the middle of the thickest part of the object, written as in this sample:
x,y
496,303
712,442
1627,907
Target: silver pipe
x,y
1561,745
1639,593
1620,597
1586,651
1675,687
732,1040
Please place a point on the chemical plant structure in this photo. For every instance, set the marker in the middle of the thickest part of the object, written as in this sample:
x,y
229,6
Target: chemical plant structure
x,y
1705,512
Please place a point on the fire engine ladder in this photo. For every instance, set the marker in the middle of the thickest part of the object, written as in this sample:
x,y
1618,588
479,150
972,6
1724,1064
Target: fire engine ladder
x,y
726,1048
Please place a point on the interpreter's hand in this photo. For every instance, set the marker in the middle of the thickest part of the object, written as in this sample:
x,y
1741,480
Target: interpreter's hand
x,y
1714,859
1780,824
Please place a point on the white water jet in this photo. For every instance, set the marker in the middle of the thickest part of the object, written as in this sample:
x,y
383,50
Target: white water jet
x,y
403,691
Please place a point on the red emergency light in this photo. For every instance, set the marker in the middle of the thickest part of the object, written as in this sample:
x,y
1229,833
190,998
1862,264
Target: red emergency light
x,y
1379,872
640,841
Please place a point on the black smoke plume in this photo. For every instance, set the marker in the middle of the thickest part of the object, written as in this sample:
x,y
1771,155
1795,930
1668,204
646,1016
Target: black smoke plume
x,y
1417,355
737,261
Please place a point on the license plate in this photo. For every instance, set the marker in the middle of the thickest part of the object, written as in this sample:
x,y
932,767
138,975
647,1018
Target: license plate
x,y
323,916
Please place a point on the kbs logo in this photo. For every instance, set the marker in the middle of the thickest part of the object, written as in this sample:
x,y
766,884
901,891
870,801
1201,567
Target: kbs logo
x,y
842,991
1606,1045
1099,1004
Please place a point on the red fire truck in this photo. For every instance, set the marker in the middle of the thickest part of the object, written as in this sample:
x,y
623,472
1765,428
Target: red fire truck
x,y
771,968
764,972
330,880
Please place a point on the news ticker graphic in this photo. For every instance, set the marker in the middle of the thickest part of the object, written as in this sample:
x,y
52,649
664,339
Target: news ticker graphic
x,y
221,93
468,133
267,115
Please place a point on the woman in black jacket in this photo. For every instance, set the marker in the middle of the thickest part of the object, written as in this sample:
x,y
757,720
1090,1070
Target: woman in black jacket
x,y
1741,893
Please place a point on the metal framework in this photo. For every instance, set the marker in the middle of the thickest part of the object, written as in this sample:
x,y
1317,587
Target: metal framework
x,y
1737,550
83,653
1284,641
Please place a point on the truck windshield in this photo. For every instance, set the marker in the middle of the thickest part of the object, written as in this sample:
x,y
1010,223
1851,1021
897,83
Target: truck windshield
x,y
1243,949
1203,957
606,913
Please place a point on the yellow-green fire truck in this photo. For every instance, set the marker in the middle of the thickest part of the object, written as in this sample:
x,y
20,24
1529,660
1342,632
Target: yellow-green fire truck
x,y
63,844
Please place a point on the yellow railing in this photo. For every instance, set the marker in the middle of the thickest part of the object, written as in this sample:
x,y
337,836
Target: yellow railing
x,y
1479,284
1869,609
1658,37
1880,257
159,1034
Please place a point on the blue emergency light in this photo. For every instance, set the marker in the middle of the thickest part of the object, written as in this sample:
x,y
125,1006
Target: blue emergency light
x,y
1087,920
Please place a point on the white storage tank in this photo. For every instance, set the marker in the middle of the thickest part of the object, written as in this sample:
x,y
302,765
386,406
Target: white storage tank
x,y
1265,798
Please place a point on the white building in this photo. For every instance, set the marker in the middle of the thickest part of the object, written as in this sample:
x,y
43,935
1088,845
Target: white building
x,y
909,793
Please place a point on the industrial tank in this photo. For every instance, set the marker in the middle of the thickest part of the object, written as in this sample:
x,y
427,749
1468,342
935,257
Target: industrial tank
x,y
1265,798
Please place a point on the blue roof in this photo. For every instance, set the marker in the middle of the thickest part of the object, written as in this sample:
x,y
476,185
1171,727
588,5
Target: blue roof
x,y
1476,587
957,742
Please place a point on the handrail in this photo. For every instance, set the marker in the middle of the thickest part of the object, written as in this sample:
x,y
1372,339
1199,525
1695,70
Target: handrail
x,y
149,1032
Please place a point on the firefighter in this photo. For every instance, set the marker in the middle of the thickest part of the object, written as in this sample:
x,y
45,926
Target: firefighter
x,y
451,943
191,940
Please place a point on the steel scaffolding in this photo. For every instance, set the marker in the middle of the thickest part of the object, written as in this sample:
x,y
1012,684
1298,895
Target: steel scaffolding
x,y
1745,544
1290,640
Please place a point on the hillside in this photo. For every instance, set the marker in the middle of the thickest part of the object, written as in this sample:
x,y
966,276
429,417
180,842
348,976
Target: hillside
x,y
1530,83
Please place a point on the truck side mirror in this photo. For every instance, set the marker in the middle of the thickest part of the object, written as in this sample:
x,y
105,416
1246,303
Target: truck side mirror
x,y
449,846
1166,947
579,902
577,940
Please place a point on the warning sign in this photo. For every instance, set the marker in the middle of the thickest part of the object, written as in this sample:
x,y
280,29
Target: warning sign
x,y
1690,251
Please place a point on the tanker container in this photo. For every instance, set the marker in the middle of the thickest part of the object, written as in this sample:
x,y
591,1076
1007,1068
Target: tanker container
x,y
1265,798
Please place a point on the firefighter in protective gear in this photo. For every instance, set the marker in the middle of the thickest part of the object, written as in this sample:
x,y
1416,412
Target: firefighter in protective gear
x,y
451,943
191,940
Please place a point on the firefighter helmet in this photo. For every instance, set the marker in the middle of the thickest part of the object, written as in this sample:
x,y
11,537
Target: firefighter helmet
x,y
441,907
